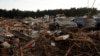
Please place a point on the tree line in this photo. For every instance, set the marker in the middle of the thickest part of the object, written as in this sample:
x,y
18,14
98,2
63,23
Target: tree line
x,y
67,12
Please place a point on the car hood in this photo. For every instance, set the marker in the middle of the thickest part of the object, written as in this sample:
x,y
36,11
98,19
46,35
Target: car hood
x,y
67,23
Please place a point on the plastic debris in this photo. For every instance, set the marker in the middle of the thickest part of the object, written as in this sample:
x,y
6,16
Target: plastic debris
x,y
53,44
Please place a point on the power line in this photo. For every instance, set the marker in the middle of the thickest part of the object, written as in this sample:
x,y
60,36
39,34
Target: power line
x,y
91,8
93,3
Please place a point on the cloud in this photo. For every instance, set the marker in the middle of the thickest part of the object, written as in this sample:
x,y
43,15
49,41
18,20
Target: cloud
x,y
45,4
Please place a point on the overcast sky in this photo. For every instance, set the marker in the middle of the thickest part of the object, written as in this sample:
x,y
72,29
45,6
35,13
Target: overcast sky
x,y
46,4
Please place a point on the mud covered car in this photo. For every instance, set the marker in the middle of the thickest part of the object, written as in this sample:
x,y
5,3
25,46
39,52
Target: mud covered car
x,y
98,23
80,22
89,23
62,23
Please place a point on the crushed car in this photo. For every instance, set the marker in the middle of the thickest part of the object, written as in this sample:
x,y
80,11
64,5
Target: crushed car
x,y
61,23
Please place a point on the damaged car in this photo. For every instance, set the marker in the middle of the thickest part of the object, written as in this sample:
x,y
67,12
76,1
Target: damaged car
x,y
61,23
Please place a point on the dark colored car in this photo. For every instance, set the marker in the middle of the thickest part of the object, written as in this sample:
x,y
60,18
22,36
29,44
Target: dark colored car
x,y
84,22
98,23
80,22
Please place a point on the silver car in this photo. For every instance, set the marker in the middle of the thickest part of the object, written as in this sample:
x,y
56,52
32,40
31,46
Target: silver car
x,y
63,22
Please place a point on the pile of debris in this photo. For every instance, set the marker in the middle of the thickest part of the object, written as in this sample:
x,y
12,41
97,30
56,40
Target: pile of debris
x,y
40,41
70,44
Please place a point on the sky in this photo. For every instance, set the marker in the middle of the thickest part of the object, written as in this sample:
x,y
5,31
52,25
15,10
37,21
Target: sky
x,y
34,5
